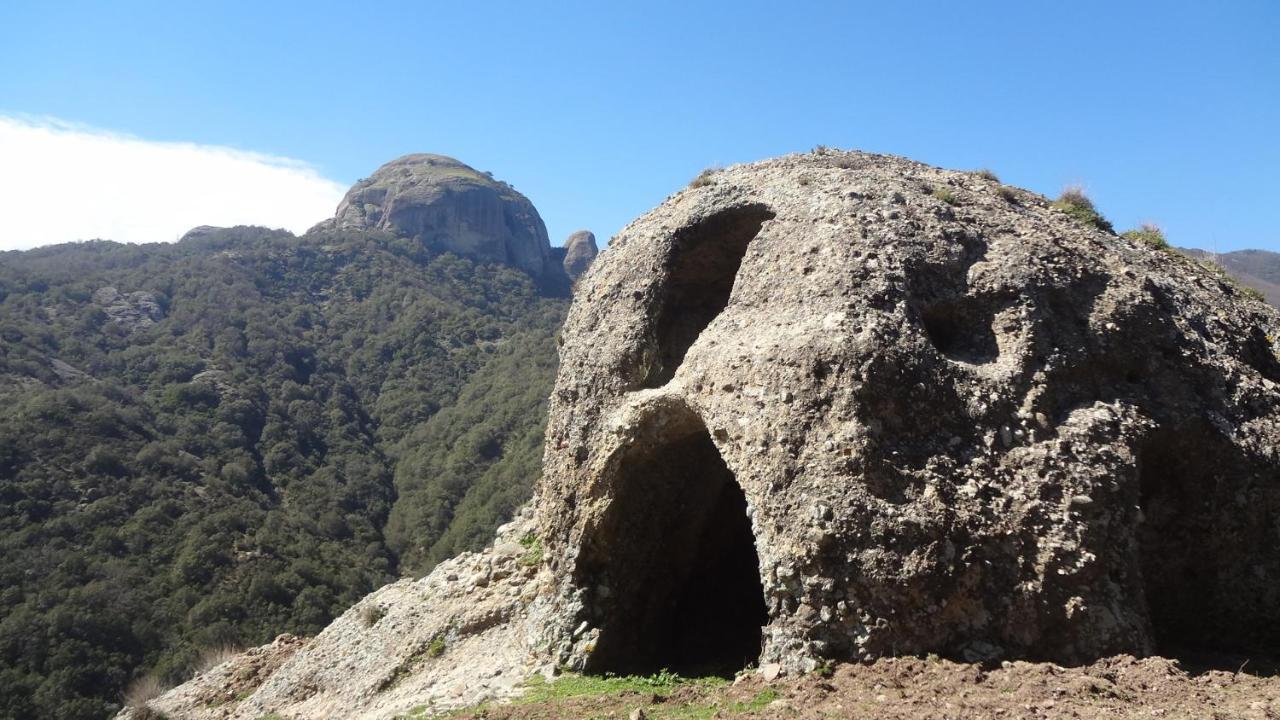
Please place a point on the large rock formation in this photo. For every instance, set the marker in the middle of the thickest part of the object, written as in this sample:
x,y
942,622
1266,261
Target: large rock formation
x,y
579,252
878,407
445,203
841,406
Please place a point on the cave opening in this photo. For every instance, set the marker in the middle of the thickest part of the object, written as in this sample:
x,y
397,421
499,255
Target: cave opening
x,y
673,568
700,273
1203,548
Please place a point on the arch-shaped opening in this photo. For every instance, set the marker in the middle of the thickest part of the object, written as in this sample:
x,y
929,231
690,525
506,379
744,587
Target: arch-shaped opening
x,y
701,269
671,572
1206,545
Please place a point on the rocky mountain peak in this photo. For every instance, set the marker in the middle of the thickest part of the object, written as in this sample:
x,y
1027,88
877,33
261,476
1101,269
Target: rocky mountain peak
x,y
579,252
446,203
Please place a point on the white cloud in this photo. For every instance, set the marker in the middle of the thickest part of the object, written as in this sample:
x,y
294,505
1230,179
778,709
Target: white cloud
x,y
61,182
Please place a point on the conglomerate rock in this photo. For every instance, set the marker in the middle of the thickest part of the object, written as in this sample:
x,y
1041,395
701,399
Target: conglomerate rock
x,y
883,408
842,406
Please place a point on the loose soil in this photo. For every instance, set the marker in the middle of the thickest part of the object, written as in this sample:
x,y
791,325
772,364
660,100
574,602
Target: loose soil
x,y
1117,687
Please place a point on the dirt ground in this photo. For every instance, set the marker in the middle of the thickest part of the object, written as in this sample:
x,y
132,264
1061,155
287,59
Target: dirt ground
x,y
1118,687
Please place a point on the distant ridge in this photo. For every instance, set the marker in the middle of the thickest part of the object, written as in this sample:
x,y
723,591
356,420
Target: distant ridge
x,y
1259,269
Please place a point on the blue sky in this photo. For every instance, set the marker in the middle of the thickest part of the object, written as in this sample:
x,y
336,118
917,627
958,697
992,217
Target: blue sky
x,y
1165,111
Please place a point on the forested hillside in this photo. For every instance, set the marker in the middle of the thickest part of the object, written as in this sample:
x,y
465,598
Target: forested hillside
x,y
240,434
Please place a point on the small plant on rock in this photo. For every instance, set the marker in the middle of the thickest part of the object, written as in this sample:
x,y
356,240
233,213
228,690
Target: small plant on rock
x,y
986,174
1007,194
436,647
703,179
209,658
1075,203
371,614
946,196
143,690
1148,234
532,556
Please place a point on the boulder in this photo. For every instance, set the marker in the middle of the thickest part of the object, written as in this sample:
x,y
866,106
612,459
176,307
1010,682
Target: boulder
x,y
875,407
579,252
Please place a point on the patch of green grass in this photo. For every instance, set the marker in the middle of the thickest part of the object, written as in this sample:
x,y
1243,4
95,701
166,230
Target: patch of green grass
x,y
436,647
532,556
691,711
1148,234
946,196
760,701
1078,206
573,685
986,174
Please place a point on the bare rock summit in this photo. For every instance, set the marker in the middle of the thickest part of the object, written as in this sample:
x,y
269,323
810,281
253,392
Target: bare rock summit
x,y
449,205
839,406
579,252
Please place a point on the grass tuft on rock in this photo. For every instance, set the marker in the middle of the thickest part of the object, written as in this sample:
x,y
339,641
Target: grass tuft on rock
x,y
1076,204
1148,234
946,196
703,179
532,556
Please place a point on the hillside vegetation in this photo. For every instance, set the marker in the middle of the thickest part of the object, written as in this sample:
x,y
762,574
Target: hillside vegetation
x,y
208,443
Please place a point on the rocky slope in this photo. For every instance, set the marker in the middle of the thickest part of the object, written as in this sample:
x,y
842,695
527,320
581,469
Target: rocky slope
x,y
448,205
1258,269
841,406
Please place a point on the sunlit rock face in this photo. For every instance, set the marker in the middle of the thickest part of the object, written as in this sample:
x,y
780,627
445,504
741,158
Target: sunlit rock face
x,y
876,407
451,206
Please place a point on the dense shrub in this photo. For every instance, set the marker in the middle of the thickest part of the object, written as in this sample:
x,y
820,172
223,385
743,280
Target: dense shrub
x,y
229,473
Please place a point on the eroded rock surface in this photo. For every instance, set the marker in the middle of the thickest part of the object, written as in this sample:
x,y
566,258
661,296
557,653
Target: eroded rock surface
x,y
936,414
445,203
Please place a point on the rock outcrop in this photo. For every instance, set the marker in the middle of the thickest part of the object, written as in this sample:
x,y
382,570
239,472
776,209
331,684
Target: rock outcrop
x,y
449,205
133,311
842,406
579,252
881,408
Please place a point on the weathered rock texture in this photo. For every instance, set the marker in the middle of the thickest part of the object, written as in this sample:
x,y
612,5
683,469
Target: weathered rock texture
x,y
445,203
936,417
810,409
